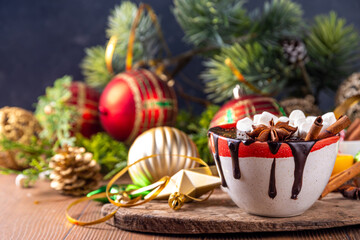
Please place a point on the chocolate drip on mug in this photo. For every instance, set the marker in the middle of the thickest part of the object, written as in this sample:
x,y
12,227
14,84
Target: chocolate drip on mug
x,y
274,147
300,150
249,141
234,151
272,183
217,159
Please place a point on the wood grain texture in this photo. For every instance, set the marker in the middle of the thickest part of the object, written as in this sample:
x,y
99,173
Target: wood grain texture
x,y
22,218
220,215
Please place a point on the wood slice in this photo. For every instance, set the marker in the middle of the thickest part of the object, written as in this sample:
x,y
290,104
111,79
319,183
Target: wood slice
x,y
220,215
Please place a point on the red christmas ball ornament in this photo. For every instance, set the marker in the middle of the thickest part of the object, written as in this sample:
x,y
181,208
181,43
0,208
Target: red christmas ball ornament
x,y
86,101
245,106
135,101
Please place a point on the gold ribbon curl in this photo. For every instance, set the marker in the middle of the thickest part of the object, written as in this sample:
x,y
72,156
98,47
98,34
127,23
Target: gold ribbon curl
x,y
159,186
348,103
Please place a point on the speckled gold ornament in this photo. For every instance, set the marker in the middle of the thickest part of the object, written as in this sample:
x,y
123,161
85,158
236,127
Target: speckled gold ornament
x,y
18,125
349,88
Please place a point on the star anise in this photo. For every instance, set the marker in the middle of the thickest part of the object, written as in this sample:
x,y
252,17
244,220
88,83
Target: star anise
x,y
275,132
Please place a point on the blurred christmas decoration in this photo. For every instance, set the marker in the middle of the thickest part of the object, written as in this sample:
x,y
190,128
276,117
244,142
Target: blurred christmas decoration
x,y
245,106
307,105
193,182
135,101
146,45
55,115
163,141
110,154
86,101
75,172
268,46
349,88
17,125
196,127
67,108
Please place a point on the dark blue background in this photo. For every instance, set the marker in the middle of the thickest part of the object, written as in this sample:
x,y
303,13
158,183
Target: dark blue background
x,y
42,40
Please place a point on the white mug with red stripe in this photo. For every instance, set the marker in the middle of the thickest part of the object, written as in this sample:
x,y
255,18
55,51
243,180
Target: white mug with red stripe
x,y
275,179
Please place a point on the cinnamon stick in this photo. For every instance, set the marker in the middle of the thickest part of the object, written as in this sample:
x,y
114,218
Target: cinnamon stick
x,y
353,126
315,129
340,178
340,124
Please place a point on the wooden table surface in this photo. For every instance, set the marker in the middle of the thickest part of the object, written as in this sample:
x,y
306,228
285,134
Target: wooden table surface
x,y
39,213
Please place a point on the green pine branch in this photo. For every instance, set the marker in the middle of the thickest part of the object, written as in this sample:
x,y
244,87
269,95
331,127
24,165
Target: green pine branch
x,y
333,48
197,128
56,116
214,22
94,67
279,19
109,153
261,66
146,46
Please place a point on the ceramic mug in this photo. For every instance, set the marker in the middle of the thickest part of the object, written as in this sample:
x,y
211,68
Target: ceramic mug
x,y
272,183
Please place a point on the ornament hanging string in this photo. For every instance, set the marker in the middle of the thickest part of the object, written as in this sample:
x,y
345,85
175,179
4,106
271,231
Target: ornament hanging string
x,y
348,103
158,187
241,78
110,48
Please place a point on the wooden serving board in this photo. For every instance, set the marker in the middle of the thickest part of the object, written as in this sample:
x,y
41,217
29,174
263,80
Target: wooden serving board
x,y
220,215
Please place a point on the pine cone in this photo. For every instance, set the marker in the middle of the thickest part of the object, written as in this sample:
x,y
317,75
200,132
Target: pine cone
x,y
349,88
307,105
75,172
294,51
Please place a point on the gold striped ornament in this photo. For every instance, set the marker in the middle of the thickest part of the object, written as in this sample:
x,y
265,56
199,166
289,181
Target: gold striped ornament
x,y
165,141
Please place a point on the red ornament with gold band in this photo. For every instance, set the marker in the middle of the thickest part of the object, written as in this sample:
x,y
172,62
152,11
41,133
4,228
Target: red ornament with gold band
x,y
86,101
245,106
135,101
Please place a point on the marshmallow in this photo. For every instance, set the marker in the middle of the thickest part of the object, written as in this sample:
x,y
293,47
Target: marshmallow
x,y
283,119
304,128
310,119
266,117
257,119
329,118
299,121
296,114
325,126
243,126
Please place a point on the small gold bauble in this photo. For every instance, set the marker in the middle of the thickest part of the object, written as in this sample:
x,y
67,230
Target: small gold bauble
x,y
16,124
176,200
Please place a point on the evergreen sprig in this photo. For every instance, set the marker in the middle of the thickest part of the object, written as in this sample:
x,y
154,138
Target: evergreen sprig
x,y
261,66
55,115
94,67
197,128
146,45
36,155
333,48
211,22
279,19
109,153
